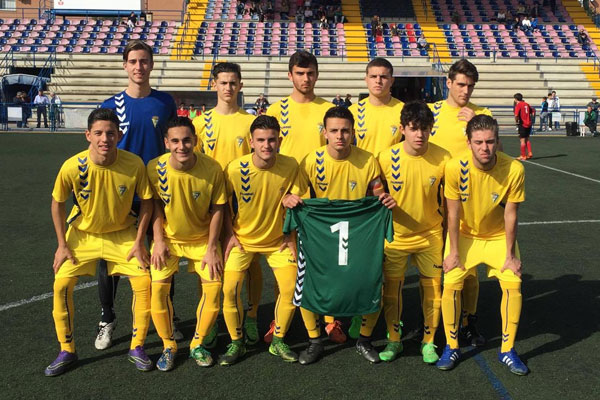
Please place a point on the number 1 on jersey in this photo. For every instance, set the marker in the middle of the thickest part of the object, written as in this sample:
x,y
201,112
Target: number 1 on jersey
x,y
342,228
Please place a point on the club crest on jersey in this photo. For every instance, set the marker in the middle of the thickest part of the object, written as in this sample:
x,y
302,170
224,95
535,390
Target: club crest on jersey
x,y
155,120
393,129
122,189
495,197
195,195
432,180
239,140
352,185
320,127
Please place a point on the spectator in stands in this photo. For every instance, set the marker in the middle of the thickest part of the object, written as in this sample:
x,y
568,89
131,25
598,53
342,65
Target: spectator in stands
x,y
338,16
590,120
535,10
132,20
338,101
270,10
544,114
240,8
378,33
422,43
521,12
299,14
182,111
261,104
375,21
202,109
554,106
525,24
323,24
594,104
41,101
55,110
308,14
516,23
534,25
582,37
284,10
21,100
456,18
348,100
501,16
193,113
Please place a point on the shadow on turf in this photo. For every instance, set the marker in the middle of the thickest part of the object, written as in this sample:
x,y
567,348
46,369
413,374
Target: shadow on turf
x,y
551,156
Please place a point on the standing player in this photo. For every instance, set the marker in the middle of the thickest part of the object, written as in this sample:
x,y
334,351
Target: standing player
x,y
414,171
450,121
300,117
103,181
143,114
224,134
483,190
190,196
338,171
256,184
523,117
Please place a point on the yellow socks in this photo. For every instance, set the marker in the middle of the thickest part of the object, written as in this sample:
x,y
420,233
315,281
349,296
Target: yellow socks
x,y
311,323
207,312
510,309
392,306
470,295
432,302
451,306
368,323
140,308
329,319
232,302
254,287
62,312
162,313
284,308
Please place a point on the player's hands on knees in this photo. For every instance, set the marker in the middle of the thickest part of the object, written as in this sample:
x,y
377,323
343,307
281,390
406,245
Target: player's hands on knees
x,y
289,243
514,264
231,242
466,114
452,261
291,200
160,255
213,260
62,254
139,251
387,200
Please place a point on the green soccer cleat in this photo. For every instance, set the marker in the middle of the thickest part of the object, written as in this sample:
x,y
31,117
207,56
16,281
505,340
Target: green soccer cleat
x,y
354,330
202,356
430,356
235,350
210,341
251,329
391,351
279,348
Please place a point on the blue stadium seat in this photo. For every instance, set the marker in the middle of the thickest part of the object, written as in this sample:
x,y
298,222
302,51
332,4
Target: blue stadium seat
x,y
103,50
120,50
69,49
539,54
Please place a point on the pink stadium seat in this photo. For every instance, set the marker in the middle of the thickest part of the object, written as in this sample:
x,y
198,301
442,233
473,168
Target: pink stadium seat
x,y
164,50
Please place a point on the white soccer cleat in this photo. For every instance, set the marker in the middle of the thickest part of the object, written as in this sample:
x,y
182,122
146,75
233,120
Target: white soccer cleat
x,y
105,332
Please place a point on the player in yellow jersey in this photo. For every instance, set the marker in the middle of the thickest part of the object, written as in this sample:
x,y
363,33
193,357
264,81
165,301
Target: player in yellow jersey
x,y
224,134
414,171
377,116
338,171
450,121
256,184
483,190
190,198
300,115
103,181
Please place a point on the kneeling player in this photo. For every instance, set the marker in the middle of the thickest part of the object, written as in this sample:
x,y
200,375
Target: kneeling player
x,y
103,180
256,184
414,170
190,192
483,189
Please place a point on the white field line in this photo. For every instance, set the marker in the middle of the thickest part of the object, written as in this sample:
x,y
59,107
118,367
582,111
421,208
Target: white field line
x,y
564,172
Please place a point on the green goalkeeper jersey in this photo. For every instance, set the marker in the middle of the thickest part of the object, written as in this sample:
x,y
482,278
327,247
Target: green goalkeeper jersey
x,y
340,254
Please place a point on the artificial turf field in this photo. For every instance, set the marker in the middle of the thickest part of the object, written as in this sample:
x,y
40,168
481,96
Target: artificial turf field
x,y
558,336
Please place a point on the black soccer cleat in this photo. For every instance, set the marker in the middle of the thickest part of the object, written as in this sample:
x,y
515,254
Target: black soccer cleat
x,y
313,352
470,335
366,349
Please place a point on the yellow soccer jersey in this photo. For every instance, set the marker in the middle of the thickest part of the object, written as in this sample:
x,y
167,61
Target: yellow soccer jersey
x,y
346,179
448,131
255,196
223,137
484,194
187,196
103,194
301,125
377,128
414,182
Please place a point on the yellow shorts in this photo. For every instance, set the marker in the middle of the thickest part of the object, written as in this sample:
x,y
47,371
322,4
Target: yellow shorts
x,y
88,248
193,252
428,260
240,260
472,252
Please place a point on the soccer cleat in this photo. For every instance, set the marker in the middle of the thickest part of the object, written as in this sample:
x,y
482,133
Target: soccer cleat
x,y
354,330
61,364
235,350
391,351
521,158
177,335
448,359
430,356
470,334
166,362
105,332
251,331
366,349
514,363
210,341
279,348
141,360
313,352
202,356
335,332
268,338
530,155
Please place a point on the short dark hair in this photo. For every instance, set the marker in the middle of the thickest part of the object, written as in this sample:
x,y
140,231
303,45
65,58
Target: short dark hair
x,y
549,93
338,112
482,122
176,122
518,97
418,114
380,62
464,67
303,59
137,45
227,67
264,122
102,114
544,98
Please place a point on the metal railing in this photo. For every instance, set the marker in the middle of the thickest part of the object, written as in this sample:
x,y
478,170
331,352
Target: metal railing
x,y
23,117
7,62
44,74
